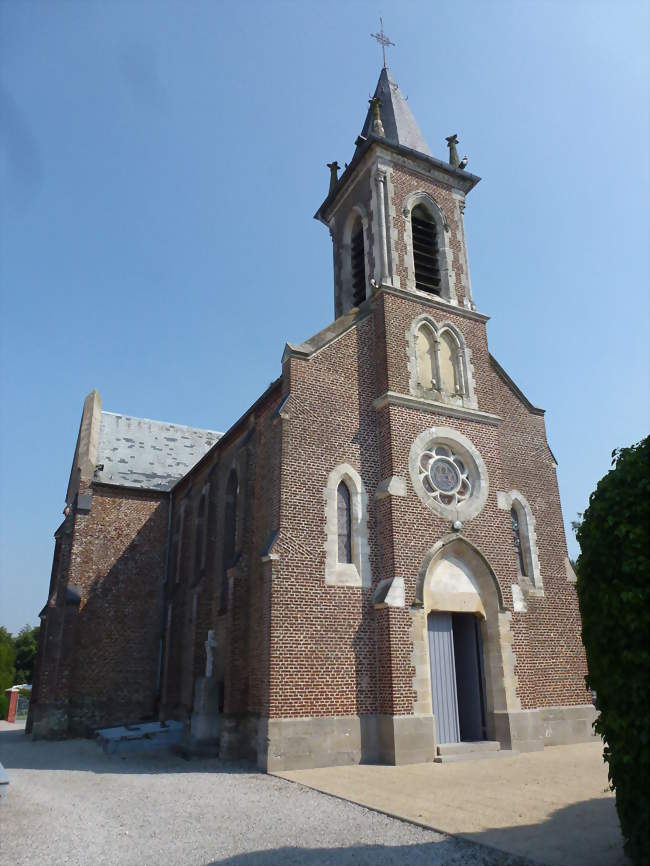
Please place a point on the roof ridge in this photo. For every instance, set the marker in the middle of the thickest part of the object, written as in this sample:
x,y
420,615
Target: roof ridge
x,y
166,423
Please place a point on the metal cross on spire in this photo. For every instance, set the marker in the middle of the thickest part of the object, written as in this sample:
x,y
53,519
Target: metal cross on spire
x,y
383,40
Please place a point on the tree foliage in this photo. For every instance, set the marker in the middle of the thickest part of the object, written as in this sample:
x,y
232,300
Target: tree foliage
x,y
25,645
614,594
7,656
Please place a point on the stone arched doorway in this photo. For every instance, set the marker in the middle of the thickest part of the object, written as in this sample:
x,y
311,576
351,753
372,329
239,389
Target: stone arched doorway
x,y
469,642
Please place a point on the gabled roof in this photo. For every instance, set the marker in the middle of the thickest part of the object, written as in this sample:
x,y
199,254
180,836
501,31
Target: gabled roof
x,y
150,455
400,127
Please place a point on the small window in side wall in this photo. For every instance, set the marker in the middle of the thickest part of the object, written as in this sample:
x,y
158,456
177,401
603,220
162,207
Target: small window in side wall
x,y
344,520
200,550
448,364
518,540
425,348
358,264
425,251
229,534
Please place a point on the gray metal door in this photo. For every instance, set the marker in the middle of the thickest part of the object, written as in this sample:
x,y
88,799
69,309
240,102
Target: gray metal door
x,y
443,677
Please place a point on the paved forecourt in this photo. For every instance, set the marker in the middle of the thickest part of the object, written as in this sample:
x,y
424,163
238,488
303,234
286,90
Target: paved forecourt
x,y
553,806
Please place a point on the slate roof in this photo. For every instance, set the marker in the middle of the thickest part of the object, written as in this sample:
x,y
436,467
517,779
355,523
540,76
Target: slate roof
x,y
396,117
150,455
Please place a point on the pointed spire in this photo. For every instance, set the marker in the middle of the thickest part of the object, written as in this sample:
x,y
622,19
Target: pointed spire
x,y
400,127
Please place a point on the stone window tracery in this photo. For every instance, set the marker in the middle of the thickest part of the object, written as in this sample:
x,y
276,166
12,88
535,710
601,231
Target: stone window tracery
x,y
440,363
448,474
445,476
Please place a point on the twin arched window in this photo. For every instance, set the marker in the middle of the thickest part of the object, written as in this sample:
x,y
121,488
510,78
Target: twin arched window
x,y
425,251
439,361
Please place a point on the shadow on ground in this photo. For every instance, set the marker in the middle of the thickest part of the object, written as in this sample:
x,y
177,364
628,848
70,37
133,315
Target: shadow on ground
x,y
18,751
508,846
448,852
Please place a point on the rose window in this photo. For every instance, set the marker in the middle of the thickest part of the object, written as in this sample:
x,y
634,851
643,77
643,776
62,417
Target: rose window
x,y
444,476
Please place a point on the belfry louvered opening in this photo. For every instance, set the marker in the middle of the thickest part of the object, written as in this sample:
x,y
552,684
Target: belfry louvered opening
x,y
358,261
425,250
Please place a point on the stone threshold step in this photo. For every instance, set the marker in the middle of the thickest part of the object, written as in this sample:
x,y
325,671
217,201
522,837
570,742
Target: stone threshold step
x,y
474,756
468,746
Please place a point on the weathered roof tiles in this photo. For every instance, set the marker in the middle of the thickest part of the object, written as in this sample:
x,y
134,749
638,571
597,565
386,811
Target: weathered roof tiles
x,y
150,455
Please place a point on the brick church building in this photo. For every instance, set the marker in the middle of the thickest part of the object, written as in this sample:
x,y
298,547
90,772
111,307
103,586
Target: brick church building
x,y
370,564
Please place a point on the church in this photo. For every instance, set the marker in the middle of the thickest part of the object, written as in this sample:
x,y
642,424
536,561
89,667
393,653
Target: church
x,y
370,564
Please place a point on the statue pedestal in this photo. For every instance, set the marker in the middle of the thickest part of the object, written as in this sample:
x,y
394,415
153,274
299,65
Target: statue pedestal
x,y
205,725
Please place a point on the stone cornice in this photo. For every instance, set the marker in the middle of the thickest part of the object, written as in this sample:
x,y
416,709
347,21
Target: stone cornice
x,y
434,303
393,398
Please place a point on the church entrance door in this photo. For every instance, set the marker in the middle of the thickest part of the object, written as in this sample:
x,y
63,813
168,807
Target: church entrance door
x,y
457,680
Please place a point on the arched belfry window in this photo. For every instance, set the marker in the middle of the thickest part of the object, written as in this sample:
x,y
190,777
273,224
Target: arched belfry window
x,y
344,522
425,347
358,263
425,251
516,537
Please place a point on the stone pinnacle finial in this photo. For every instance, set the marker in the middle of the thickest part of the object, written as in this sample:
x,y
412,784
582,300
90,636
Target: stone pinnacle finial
x,y
334,174
452,141
377,126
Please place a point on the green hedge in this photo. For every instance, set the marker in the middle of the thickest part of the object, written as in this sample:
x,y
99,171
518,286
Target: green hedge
x,y
614,594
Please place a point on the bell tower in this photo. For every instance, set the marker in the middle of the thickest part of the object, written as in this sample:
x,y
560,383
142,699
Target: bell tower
x,y
395,214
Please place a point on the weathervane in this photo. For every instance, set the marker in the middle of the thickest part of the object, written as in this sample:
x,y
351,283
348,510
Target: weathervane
x,y
383,40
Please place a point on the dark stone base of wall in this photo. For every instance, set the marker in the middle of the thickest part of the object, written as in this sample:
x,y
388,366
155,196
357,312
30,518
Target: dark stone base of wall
x,y
81,718
48,721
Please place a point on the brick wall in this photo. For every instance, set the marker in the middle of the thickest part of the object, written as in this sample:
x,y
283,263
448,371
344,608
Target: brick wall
x,y
99,658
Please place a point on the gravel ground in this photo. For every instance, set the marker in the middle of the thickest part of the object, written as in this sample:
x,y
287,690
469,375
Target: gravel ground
x,y
69,803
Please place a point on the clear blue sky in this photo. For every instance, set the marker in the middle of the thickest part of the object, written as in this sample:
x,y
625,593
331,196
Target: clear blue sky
x,y
160,163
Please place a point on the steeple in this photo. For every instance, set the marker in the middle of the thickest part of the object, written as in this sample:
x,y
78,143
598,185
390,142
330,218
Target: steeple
x,y
400,127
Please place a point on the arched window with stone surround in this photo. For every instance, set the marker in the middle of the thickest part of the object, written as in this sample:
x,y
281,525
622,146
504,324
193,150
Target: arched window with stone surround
x,y
426,352
347,561
425,250
344,522
357,262
524,540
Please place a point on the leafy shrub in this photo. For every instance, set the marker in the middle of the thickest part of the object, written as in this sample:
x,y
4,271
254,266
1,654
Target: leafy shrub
x,y
7,656
614,594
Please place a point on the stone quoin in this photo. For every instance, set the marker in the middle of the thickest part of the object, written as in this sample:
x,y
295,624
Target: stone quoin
x,y
373,556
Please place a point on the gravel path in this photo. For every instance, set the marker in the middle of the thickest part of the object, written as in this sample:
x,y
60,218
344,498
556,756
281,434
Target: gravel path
x,y
69,803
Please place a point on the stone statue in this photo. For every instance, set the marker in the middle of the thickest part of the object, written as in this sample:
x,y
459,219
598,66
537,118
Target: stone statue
x,y
210,646
452,141
377,125
334,174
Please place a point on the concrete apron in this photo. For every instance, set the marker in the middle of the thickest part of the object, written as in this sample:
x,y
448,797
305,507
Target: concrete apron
x,y
552,806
